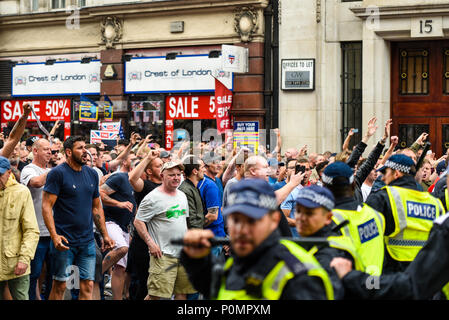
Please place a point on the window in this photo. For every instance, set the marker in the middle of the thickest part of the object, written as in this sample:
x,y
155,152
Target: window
x,y
446,71
82,3
414,71
57,4
351,83
408,133
34,5
5,77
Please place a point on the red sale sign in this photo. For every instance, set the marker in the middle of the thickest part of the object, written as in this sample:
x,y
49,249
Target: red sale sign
x,y
46,110
190,107
223,101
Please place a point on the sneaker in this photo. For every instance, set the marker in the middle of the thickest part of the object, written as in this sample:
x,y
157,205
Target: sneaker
x,y
107,281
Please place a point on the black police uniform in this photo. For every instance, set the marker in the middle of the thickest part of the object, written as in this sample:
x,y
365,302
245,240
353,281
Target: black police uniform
x,y
423,279
325,254
256,265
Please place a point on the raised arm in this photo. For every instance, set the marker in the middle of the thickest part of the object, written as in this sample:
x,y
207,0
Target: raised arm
x,y
134,176
16,132
348,140
122,156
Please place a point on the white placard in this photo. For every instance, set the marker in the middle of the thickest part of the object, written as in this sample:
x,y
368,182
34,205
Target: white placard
x,y
298,74
61,78
234,58
189,73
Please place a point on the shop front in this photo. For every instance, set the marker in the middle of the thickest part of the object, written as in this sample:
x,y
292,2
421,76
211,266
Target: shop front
x,y
172,88
53,88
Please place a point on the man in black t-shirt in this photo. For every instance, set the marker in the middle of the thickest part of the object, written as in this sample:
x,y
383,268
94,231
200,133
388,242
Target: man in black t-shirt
x,y
145,177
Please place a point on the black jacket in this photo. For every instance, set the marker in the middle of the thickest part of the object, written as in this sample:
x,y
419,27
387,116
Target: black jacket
x,y
257,264
379,201
423,279
325,254
365,169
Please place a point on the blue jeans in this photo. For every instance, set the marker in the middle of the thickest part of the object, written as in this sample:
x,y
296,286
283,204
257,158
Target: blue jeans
x,y
82,257
42,254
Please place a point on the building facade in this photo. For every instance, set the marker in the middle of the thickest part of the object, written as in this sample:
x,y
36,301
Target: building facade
x,y
130,51
372,58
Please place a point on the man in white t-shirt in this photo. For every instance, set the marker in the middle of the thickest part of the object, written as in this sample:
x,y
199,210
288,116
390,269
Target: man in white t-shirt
x,y
34,176
162,215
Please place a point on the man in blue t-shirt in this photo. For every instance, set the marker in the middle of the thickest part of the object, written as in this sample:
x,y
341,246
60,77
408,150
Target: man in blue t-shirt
x,y
212,200
70,202
119,207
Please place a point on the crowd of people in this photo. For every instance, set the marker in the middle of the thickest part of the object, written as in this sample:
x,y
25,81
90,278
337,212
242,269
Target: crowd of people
x,y
77,218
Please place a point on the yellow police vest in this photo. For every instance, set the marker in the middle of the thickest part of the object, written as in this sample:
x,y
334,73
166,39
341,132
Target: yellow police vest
x,y
366,229
346,244
446,199
413,213
275,281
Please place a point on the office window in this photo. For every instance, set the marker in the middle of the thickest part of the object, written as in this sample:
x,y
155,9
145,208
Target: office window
x,y
351,83
57,4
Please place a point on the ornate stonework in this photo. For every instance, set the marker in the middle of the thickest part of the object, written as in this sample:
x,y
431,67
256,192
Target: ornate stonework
x,y
111,31
245,23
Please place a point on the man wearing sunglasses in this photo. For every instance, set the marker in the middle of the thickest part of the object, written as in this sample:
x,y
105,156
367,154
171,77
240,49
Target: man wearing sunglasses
x,y
54,156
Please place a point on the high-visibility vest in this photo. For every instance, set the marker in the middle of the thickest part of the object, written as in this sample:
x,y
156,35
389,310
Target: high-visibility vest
x,y
346,244
413,213
273,284
366,229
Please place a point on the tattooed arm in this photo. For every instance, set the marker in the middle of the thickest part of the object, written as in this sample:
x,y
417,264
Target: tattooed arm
x,y
211,216
98,216
106,191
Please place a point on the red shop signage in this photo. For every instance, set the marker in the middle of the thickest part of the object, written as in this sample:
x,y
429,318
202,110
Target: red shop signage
x,y
186,108
46,110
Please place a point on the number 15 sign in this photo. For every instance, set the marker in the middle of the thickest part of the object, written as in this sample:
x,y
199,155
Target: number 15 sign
x,y
298,74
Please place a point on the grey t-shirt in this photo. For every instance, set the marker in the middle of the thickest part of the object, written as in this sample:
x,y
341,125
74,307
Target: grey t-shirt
x,y
166,218
30,171
226,190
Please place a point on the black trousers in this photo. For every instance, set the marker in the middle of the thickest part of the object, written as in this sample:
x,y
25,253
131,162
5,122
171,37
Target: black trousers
x,y
137,267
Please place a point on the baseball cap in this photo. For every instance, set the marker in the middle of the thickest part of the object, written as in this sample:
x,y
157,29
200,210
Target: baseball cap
x,y
164,154
337,169
441,167
315,196
172,164
251,197
31,140
398,162
4,165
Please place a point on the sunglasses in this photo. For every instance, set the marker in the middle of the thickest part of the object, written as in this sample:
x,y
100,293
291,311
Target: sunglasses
x,y
54,151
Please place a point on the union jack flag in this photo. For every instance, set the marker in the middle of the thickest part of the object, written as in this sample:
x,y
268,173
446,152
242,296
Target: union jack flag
x,y
97,136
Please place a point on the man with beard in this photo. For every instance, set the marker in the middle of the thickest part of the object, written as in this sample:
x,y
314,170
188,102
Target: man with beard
x,y
70,205
54,155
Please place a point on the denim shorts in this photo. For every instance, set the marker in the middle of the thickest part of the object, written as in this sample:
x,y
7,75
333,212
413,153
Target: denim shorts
x,y
78,259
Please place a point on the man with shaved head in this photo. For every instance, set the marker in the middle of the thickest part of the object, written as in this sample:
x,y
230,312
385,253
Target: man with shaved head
x,y
34,176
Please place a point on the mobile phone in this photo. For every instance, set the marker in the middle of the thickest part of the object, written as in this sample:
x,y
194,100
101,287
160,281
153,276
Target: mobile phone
x,y
355,130
151,145
300,168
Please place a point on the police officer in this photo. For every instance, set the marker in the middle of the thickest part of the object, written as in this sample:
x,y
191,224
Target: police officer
x,y
313,218
366,225
261,266
425,278
408,213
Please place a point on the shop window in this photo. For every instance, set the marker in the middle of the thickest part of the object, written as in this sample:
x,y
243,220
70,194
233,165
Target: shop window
x,y
147,116
5,77
57,4
414,71
351,82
